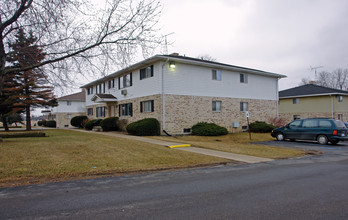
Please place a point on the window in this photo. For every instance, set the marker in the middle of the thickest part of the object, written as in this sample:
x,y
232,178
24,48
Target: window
x,y
216,75
89,90
101,88
295,100
187,130
68,102
111,83
216,106
310,124
324,124
340,117
125,81
244,106
125,109
295,124
243,78
147,106
296,117
90,111
68,116
340,98
100,111
146,72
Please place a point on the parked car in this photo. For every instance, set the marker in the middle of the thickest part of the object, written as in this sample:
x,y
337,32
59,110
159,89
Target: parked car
x,y
323,130
346,123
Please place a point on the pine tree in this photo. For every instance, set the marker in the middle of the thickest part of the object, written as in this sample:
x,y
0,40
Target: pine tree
x,y
33,85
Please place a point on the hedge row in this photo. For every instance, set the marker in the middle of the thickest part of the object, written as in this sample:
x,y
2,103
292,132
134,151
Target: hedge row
x,y
261,127
22,134
107,124
50,123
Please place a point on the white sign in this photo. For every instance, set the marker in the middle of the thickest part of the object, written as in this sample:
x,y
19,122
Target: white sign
x,y
247,114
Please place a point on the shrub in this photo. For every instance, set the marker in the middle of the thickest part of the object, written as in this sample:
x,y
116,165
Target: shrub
x,y
278,122
78,121
109,124
22,134
261,127
144,127
90,124
51,124
208,129
39,123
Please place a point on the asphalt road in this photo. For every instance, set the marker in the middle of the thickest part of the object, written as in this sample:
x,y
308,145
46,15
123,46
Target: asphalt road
x,y
312,187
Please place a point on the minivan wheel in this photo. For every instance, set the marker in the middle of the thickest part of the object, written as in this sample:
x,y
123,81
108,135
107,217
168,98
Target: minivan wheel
x,y
322,139
280,137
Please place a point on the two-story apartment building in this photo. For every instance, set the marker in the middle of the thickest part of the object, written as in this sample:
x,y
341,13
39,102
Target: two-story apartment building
x,y
68,106
311,100
180,91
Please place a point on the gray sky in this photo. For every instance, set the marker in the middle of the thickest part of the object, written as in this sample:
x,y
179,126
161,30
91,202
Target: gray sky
x,y
281,36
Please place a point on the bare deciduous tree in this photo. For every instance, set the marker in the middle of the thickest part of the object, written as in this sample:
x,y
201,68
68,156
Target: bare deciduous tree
x,y
337,79
79,37
206,57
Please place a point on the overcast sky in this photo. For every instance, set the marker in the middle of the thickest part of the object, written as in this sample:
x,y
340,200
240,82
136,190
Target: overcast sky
x,y
280,36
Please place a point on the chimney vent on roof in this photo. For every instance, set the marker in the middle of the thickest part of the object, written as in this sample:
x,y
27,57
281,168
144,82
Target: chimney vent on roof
x,y
312,82
174,54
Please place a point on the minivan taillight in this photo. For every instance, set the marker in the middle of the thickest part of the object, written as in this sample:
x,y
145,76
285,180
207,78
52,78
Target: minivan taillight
x,y
335,132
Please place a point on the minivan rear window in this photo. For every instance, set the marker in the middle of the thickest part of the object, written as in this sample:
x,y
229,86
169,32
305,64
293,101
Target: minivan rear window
x,y
339,124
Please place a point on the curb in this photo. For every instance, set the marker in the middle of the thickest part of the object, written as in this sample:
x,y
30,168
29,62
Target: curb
x,y
182,145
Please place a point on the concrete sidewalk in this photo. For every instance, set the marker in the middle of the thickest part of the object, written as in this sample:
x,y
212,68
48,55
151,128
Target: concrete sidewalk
x,y
181,146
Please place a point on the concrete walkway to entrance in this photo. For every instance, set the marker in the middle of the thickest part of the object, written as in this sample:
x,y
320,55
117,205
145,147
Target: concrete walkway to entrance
x,y
214,153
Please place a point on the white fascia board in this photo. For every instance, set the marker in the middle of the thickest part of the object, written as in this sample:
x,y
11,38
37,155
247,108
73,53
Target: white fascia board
x,y
312,95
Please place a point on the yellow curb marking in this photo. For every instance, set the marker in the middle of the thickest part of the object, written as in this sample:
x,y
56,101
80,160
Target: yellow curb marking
x,y
183,145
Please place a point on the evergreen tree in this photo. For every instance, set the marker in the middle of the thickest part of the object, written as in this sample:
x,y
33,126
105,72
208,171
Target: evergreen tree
x,y
33,86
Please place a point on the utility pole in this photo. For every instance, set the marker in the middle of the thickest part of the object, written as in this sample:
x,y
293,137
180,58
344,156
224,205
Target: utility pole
x,y
165,49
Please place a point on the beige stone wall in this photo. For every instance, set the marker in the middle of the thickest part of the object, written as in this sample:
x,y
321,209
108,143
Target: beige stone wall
x,y
63,119
182,112
290,116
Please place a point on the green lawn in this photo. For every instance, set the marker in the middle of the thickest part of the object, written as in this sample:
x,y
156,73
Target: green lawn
x,y
67,154
238,143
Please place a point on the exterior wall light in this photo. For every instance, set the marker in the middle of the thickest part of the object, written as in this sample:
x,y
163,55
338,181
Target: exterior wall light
x,y
172,65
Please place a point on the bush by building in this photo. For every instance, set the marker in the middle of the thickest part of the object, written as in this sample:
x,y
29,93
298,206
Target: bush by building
x,y
90,124
261,127
109,124
51,124
78,121
208,129
144,127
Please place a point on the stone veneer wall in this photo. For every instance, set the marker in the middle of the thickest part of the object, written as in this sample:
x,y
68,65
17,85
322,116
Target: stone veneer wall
x,y
63,120
289,117
184,111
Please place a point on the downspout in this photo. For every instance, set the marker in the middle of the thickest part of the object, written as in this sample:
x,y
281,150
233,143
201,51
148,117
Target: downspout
x,y
163,100
332,107
277,98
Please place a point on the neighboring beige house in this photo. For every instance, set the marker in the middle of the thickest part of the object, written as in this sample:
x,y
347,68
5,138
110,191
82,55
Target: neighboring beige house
x,y
68,106
181,91
313,101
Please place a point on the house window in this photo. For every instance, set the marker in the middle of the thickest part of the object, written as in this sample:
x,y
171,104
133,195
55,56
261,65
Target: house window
x,y
244,107
111,83
340,98
100,111
68,102
296,117
101,88
243,78
89,90
90,111
68,116
147,106
340,117
146,72
187,130
216,75
295,100
125,81
216,106
126,109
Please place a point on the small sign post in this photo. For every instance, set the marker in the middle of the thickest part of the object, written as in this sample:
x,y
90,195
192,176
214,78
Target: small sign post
x,y
247,116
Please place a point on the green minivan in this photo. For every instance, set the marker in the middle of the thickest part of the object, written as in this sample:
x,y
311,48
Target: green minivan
x,y
323,130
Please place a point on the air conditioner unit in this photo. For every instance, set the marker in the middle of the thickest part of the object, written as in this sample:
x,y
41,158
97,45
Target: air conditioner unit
x,y
124,92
